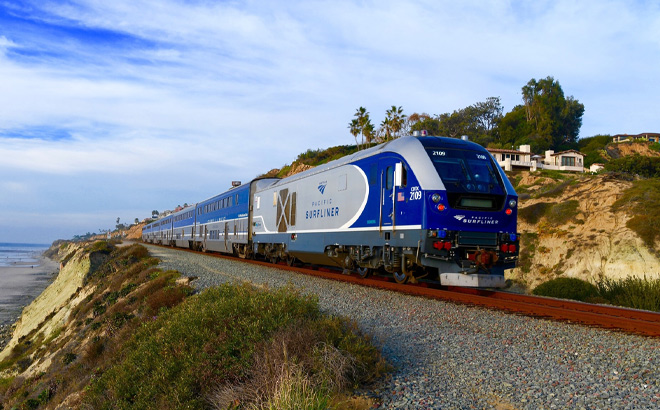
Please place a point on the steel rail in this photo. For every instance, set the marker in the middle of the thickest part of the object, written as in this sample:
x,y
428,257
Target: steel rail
x,y
610,317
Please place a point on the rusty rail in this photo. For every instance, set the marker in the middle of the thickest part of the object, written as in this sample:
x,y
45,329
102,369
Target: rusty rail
x,y
610,317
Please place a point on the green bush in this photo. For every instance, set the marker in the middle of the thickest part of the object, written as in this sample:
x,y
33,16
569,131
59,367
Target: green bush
x,y
567,288
642,202
563,212
554,174
209,340
99,246
529,241
631,292
532,214
556,214
645,167
554,190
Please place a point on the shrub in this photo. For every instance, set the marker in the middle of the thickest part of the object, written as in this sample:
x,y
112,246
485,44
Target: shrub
x,y
562,212
567,288
532,214
642,202
646,167
99,246
553,190
166,297
179,359
529,241
206,340
631,292
68,358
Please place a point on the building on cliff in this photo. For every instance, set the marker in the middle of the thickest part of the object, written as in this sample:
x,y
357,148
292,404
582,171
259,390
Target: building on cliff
x,y
646,136
523,159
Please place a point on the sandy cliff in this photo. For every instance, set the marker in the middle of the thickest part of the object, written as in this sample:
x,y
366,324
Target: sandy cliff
x,y
593,242
50,310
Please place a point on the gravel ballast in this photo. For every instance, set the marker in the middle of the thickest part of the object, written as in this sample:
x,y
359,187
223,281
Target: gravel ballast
x,y
450,356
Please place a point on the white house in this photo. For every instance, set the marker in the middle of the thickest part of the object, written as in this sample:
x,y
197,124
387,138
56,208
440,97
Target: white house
x,y
570,160
510,159
647,136
523,159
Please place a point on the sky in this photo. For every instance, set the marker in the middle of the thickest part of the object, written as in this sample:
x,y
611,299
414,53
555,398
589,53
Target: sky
x,y
112,109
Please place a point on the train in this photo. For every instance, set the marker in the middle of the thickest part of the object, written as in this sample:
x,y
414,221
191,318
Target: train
x,y
416,207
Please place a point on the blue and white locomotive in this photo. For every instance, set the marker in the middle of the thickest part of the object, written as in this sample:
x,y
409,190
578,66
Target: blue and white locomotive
x,y
414,207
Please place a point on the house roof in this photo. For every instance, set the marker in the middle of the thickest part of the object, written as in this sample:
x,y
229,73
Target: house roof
x,y
566,152
506,151
642,135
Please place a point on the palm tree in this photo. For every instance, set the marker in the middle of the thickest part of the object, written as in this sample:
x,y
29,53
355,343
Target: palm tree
x,y
354,126
387,127
368,132
361,124
396,119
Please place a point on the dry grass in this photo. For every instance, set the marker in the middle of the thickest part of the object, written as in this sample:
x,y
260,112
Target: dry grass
x,y
297,369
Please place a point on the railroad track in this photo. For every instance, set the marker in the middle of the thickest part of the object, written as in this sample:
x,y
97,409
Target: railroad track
x,y
610,317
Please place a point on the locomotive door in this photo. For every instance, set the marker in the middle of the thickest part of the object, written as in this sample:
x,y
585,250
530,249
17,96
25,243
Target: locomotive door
x,y
387,195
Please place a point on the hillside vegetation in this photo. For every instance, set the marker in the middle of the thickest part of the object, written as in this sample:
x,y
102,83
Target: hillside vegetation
x,y
134,336
312,158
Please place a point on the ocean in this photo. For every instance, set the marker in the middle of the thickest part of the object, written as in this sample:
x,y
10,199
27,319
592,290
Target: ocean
x,y
23,276
20,254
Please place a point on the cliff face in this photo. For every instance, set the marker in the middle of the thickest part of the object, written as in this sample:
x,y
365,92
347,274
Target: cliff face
x,y
568,228
50,310
623,149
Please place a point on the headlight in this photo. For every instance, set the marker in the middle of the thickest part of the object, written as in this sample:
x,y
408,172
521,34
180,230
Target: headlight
x,y
435,198
512,203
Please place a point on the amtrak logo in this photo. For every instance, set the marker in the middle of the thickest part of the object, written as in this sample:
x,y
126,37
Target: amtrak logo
x,y
322,187
459,217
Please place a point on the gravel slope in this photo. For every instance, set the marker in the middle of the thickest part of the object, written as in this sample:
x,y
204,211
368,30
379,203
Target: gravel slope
x,y
460,357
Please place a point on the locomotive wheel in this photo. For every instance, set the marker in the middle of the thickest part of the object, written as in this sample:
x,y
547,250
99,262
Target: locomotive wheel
x,y
290,260
272,259
400,277
363,272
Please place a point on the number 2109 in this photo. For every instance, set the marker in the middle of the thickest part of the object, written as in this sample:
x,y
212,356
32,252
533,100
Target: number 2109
x,y
415,193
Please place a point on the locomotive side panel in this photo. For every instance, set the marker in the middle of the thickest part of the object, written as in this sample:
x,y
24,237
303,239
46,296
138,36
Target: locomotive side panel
x,y
300,214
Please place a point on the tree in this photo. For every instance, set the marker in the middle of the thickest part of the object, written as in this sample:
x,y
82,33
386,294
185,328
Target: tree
x,y
394,121
413,119
361,125
354,127
555,119
386,127
420,122
154,214
137,221
572,120
488,114
513,129
594,149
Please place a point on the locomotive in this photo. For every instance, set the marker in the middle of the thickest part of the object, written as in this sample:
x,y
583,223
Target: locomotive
x,y
414,207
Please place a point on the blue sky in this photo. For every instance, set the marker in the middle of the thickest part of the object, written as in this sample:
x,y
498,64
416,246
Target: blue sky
x,y
115,108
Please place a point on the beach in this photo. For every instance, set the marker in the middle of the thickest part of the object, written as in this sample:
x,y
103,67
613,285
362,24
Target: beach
x,y
20,283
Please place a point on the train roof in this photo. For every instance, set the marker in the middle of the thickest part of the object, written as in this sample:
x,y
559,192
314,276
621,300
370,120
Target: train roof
x,y
411,148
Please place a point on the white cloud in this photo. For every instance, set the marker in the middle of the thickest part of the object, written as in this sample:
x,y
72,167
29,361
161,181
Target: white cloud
x,y
140,90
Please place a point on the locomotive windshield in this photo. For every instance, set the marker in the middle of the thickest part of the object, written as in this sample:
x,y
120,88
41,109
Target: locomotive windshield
x,y
468,172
